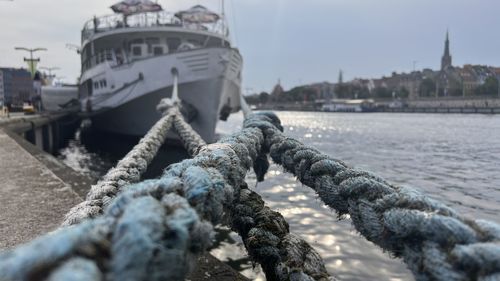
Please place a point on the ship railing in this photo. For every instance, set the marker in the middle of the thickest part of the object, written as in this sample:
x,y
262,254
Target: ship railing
x,y
150,19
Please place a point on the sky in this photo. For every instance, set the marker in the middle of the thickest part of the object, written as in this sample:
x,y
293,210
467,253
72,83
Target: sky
x,y
295,41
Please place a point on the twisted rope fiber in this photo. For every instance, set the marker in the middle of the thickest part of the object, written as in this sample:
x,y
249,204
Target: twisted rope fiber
x,y
282,255
435,241
128,170
136,162
150,231
190,138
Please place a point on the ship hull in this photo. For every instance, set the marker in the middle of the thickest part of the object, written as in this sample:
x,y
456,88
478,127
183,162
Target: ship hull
x,y
137,116
209,81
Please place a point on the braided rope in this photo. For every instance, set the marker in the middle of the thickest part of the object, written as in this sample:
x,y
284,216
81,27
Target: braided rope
x,y
153,229
152,223
128,170
436,242
282,255
190,138
135,239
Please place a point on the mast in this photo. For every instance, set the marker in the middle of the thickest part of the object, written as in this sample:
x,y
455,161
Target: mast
x,y
223,18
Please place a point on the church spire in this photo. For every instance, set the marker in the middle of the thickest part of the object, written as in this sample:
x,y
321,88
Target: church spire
x,y
446,59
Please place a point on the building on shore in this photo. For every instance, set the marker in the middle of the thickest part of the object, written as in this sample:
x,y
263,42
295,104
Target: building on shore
x,y
449,81
468,86
278,91
16,86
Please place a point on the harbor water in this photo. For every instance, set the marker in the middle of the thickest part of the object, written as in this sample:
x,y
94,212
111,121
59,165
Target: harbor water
x,y
451,157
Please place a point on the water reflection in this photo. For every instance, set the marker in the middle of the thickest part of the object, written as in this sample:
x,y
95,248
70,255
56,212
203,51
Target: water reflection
x,y
230,249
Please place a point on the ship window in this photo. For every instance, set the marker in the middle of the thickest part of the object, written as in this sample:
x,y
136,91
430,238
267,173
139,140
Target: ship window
x,y
109,55
137,51
150,42
158,50
96,85
173,43
104,83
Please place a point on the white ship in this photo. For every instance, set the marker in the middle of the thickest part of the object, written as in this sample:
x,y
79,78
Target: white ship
x,y
130,61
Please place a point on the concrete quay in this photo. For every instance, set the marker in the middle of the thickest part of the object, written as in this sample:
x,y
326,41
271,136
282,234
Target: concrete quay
x,y
33,199
37,190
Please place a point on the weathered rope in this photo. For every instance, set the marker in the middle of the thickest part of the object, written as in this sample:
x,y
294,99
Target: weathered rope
x,y
152,223
135,163
282,255
435,241
128,170
150,231
190,139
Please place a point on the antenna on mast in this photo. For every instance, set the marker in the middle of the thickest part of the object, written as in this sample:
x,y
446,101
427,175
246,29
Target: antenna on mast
x,y
223,18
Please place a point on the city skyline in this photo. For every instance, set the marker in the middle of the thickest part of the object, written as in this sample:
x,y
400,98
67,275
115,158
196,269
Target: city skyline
x,y
298,43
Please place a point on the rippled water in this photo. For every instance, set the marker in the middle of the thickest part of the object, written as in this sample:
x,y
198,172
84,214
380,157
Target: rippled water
x,y
452,158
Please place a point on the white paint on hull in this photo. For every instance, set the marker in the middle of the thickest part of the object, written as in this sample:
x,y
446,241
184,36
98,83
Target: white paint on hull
x,y
138,116
208,79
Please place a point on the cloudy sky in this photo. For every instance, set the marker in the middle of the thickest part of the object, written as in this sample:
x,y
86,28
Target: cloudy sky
x,y
296,41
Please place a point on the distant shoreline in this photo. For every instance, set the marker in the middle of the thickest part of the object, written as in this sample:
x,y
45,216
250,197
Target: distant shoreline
x,y
465,105
402,110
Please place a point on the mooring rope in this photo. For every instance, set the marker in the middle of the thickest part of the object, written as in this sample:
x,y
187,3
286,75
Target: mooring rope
x,y
281,254
153,229
135,163
128,170
149,232
191,140
435,241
